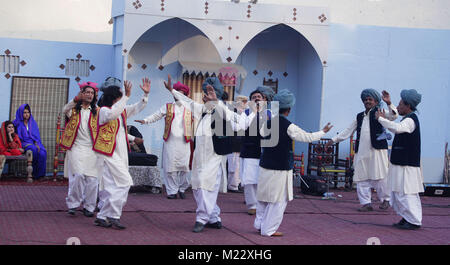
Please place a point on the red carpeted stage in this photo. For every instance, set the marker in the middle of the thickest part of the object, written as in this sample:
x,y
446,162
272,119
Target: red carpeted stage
x,y
36,214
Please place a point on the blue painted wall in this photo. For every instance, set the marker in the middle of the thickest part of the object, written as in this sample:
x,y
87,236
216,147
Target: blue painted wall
x,y
43,59
392,59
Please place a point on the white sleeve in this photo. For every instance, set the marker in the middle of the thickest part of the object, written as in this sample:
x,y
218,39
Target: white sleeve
x,y
237,120
131,138
246,120
299,135
195,108
392,113
405,126
137,107
345,133
159,114
108,114
67,109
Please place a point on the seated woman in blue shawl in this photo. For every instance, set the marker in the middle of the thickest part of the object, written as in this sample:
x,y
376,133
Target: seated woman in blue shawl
x,y
28,132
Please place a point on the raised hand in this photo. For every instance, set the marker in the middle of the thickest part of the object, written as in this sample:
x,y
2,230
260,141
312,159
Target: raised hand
x,y
327,128
211,94
253,106
79,97
380,113
127,85
145,85
140,121
168,85
386,97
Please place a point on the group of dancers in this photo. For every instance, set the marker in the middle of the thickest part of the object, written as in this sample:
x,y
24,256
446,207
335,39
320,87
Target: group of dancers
x,y
97,144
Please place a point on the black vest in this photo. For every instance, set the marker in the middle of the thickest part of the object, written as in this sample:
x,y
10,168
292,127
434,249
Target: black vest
x,y
251,145
223,145
406,146
375,130
281,156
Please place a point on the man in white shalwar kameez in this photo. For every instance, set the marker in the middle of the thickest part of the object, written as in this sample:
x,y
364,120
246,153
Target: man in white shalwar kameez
x,y
205,174
251,145
405,172
275,182
81,162
234,179
371,150
112,145
176,146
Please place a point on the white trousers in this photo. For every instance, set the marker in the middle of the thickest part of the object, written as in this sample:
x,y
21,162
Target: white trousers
x,y
364,192
176,181
82,190
233,171
250,195
407,206
207,209
102,195
113,198
269,216
224,177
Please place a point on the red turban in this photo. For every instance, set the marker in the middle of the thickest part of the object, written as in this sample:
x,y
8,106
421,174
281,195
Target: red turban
x,y
182,88
88,84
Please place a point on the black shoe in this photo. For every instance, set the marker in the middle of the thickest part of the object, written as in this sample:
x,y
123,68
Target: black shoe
x,y
400,223
101,222
182,195
235,191
408,226
87,213
173,196
217,225
72,211
366,208
116,223
198,227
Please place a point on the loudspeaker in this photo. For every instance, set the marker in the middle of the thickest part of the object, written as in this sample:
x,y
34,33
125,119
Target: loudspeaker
x,y
315,185
437,190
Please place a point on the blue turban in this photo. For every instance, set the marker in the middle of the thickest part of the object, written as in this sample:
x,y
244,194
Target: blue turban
x,y
285,98
266,91
215,83
411,97
110,82
370,92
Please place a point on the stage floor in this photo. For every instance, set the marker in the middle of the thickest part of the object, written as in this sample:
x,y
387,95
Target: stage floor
x,y
35,214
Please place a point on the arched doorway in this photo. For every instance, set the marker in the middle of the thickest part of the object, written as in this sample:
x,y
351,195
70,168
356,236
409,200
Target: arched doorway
x,y
282,53
155,54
